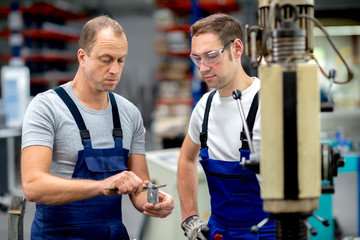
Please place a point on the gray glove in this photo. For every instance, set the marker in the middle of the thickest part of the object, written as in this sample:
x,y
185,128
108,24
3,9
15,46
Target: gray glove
x,y
195,228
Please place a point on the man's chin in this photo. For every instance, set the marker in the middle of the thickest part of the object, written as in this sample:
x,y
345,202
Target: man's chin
x,y
110,87
211,84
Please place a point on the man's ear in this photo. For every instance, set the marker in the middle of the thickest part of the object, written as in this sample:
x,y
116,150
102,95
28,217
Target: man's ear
x,y
238,48
81,55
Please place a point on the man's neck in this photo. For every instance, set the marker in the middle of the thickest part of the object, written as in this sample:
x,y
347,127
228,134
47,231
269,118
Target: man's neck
x,y
241,83
90,98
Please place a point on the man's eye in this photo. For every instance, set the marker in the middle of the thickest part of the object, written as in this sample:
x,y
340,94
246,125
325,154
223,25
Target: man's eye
x,y
211,55
105,60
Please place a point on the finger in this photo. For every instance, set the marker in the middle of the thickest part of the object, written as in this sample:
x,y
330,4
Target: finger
x,y
132,183
161,209
139,190
200,236
160,213
145,184
166,198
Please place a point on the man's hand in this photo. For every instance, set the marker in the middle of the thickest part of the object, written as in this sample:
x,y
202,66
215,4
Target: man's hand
x,y
195,228
126,182
161,209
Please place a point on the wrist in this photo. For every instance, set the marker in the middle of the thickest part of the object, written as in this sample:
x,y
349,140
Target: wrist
x,y
188,219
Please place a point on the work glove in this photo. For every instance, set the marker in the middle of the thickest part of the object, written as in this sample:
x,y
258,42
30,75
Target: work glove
x,y
195,228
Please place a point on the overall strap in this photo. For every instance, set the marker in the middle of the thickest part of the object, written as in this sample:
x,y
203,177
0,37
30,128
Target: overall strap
x,y
250,120
84,133
203,134
117,131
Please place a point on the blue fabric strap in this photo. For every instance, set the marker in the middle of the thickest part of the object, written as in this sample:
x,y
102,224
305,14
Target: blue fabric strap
x,y
250,120
204,132
84,133
117,131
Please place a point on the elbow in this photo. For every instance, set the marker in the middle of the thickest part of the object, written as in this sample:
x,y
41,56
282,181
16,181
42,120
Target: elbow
x,y
32,191
28,192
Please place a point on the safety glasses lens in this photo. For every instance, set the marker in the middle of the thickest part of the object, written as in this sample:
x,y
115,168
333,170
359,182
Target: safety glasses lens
x,y
212,57
208,59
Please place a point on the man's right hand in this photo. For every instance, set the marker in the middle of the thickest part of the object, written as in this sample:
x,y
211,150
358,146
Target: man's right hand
x,y
126,182
195,228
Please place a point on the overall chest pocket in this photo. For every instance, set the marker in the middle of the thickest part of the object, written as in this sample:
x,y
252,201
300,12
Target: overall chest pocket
x,y
104,164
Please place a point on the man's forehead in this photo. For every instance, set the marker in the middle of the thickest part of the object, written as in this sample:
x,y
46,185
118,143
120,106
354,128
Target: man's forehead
x,y
205,43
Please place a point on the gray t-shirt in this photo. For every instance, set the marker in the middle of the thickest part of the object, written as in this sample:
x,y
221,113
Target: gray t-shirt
x,y
49,122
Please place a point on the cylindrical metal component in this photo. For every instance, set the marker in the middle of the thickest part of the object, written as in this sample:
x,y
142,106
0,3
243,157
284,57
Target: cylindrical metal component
x,y
291,227
289,185
253,47
305,7
287,42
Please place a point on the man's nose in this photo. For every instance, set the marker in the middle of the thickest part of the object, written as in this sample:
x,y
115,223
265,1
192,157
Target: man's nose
x,y
114,68
203,67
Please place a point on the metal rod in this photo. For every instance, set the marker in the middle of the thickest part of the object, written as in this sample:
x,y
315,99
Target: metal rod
x,y
237,97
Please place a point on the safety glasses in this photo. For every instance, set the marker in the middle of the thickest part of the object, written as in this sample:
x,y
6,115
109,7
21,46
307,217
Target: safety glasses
x,y
210,58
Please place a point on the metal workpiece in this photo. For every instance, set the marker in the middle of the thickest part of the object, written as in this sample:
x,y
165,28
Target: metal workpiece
x,y
153,193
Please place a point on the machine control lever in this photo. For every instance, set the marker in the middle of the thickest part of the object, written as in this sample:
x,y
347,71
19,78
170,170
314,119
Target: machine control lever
x,y
237,96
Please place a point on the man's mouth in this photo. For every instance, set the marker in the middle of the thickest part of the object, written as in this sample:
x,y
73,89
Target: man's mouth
x,y
111,79
208,77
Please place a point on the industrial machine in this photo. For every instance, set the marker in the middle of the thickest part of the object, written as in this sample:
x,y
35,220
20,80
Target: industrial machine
x,y
293,160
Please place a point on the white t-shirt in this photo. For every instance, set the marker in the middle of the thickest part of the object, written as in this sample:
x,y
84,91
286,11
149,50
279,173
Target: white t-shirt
x,y
224,124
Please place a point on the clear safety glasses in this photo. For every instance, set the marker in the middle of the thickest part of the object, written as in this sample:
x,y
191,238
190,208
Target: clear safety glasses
x,y
210,58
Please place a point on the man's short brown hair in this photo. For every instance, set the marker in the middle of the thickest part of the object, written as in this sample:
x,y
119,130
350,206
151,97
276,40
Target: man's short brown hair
x,y
226,27
93,26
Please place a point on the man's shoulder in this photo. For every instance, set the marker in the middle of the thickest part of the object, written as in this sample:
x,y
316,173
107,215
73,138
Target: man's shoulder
x,y
125,103
45,98
205,97
122,100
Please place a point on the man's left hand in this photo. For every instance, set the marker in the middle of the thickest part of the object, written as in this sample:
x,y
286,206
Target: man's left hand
x,y
161,209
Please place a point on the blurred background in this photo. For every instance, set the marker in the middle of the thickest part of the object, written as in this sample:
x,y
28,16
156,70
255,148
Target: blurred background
x,y
40,38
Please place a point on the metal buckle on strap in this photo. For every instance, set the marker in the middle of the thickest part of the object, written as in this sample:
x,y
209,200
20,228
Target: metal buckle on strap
x,y
203,139
85,134
243,136
244,140
117,133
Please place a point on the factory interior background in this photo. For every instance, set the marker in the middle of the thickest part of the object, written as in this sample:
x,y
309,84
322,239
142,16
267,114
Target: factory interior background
x,y
158,77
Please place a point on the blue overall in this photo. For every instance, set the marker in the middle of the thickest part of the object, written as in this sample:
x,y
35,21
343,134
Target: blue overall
x,y
95,218
235,200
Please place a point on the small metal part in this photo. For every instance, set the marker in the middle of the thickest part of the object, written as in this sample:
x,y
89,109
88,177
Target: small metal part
x,y
152,193
152,186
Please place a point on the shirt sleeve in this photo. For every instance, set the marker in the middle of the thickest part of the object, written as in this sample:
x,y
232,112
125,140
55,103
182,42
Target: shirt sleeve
x,y
38,124
138,139
196,119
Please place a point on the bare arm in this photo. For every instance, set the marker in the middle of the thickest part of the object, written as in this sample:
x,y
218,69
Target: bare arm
x,y
187,177
42,187
137,164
